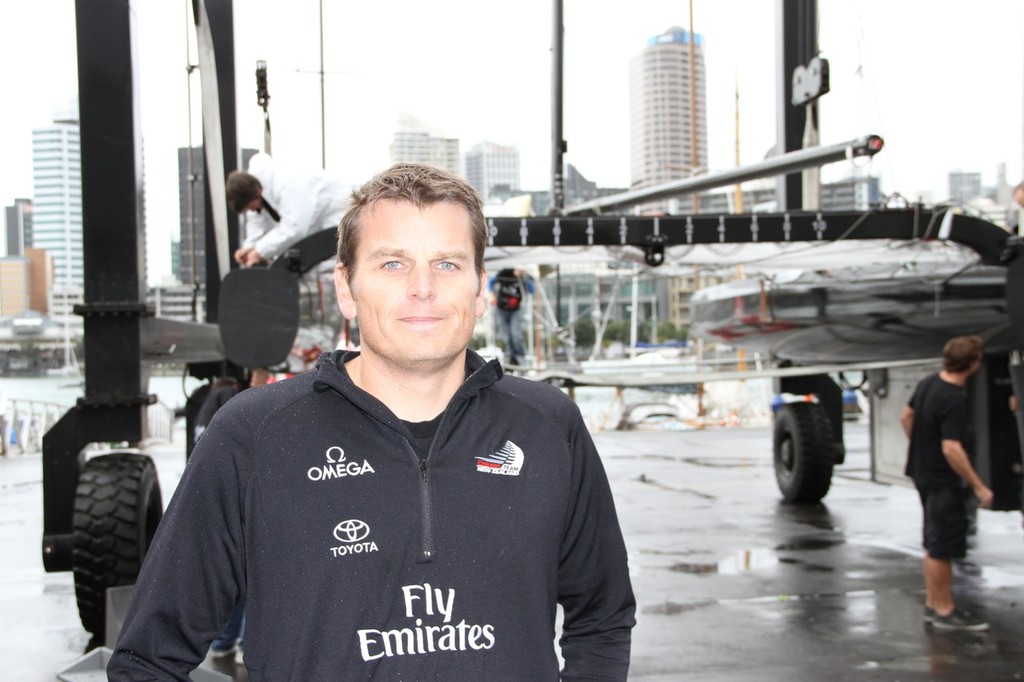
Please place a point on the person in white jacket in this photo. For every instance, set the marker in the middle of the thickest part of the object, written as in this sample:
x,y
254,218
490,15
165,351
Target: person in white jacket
x,y
281,207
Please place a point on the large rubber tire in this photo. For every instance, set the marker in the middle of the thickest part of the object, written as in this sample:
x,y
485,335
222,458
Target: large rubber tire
x,y
117,509
804,452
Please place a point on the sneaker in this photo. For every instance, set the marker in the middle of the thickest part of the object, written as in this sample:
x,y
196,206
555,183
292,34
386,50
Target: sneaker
x,y
956,620
240,656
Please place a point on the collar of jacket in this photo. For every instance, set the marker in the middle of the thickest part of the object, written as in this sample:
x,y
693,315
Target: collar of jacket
x,y
331,374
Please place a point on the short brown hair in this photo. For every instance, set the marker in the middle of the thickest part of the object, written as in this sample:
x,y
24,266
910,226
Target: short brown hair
x,y
241,189
960,352
419,184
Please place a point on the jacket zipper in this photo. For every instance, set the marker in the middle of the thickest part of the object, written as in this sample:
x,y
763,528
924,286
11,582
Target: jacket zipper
x,y
427,509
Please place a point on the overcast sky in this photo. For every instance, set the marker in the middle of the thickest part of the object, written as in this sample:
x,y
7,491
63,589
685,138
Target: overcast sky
x,y
942,82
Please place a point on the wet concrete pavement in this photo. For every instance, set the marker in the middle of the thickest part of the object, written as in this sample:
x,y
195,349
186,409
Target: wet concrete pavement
x,y
734,585
731,584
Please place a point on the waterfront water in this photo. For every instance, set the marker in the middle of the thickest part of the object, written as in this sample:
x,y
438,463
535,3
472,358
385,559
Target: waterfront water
x,y
172,391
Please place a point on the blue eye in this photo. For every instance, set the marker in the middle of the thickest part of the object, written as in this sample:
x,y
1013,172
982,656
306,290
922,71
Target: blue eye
x,y
447,265
392,265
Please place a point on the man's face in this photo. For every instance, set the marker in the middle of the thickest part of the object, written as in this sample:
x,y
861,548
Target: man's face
x,y
1018,196
414,287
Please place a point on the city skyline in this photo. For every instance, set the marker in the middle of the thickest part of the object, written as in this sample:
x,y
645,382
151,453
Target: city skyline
x,y
894,73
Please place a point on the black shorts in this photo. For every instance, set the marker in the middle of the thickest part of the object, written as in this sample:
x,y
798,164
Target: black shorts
x,y
945,522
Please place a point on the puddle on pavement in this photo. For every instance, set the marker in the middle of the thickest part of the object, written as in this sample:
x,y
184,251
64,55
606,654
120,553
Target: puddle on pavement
x,y
670,608
726,462
743,561
694,568
814,568
671,552
819,522
995,578
809,543
712,463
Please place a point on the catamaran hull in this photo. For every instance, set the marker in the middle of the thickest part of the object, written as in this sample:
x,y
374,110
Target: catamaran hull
x,y
859,317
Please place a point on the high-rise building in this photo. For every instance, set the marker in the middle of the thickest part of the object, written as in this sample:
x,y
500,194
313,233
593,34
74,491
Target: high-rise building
x,y
40,279
14,279
190,259
493,169
177,302
191,212
61,304
964,187
176,259
57,194
416,143
18,227
857,193
25,282
665,133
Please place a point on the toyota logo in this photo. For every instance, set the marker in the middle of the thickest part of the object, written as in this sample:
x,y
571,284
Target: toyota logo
x,y
352,530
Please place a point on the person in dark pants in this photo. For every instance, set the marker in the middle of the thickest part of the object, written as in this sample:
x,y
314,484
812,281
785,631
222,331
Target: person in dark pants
x,y
935,421
509,289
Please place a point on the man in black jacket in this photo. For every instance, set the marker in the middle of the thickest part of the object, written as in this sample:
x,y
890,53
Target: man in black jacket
x,y
403,512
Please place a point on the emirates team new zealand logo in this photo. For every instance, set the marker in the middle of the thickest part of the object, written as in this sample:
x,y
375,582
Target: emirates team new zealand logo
x,y
507,461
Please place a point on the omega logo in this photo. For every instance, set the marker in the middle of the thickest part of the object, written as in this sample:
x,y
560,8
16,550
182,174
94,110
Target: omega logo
x,y
338,466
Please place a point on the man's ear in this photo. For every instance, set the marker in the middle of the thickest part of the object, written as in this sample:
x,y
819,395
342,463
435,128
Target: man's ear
x,y
346,303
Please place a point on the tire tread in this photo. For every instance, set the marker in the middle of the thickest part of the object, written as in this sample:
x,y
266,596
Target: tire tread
x,y
111,529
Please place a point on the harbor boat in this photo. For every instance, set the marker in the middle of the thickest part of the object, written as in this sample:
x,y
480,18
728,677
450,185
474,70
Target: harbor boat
x,y
897,311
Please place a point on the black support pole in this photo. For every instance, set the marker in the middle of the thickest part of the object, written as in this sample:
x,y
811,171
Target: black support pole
x,y
798,43
558,145
113,251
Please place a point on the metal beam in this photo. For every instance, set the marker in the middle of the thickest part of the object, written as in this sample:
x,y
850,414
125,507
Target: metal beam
x,y
869,145
654,234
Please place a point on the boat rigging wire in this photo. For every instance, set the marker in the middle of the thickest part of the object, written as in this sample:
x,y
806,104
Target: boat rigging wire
x,y
192,176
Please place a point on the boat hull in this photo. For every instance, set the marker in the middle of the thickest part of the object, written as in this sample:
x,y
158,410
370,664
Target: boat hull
x,y
858,316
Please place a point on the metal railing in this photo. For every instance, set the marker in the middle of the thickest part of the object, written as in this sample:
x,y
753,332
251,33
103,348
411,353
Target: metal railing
x,y
159,422
24,422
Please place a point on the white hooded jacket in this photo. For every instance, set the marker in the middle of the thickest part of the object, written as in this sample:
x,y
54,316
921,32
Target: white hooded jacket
x,y
306,202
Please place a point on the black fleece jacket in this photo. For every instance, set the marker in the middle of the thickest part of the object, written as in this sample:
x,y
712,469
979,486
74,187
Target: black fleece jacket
x,y
358,560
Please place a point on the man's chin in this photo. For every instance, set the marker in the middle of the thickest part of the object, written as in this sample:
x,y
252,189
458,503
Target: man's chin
x,y
418,359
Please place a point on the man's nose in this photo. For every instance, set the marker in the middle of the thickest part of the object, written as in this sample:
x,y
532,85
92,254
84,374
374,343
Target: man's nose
x,y
422,282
